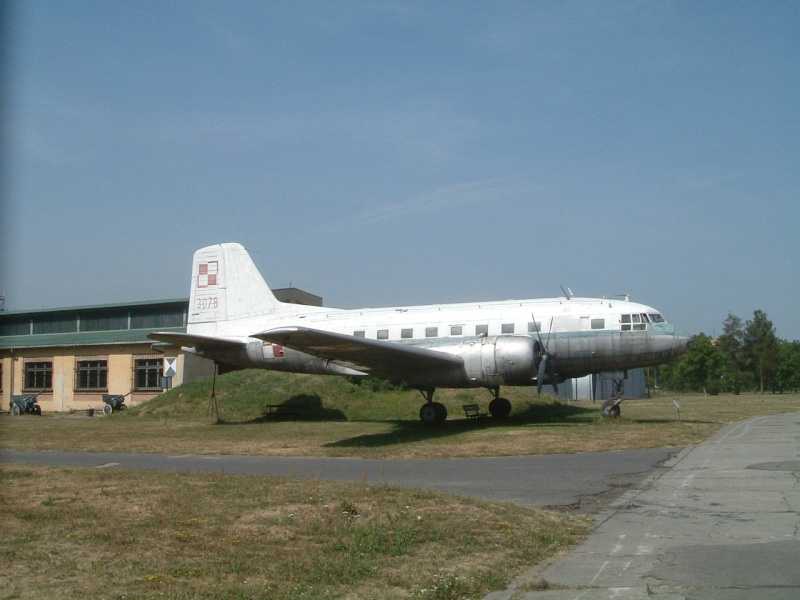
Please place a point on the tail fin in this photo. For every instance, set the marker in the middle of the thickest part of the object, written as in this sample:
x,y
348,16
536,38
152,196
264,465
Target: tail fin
x,y
227,286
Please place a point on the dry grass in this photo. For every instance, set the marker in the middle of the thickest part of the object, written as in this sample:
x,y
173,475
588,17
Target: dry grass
x,y
90,533
106,533
536,427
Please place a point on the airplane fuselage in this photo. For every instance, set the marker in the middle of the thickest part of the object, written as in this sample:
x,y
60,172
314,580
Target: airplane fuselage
x,y
496,340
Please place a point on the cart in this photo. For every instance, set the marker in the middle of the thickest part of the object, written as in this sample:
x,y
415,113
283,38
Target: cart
x,y
25,403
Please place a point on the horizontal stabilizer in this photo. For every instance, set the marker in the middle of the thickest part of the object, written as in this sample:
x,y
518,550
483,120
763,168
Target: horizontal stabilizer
x,y
201,342
387,359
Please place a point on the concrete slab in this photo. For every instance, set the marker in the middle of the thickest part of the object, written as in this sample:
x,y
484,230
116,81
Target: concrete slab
x,y
720,520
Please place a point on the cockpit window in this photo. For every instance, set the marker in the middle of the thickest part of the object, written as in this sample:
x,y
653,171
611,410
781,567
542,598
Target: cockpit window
x,y
635,322
656,318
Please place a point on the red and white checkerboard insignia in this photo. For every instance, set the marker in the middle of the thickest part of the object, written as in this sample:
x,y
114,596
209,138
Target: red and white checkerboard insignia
x,y
270,350
207,274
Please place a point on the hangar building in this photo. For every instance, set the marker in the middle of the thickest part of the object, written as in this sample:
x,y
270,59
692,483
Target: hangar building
x,y
72,356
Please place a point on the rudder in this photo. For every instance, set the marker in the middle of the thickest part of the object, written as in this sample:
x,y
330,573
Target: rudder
x,y
226,286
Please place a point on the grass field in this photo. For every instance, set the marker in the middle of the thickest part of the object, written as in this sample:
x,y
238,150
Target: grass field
x,y
105,533
343,419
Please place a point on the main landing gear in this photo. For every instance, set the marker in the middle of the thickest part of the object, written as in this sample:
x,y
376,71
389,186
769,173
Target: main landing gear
x,y
435,413
432,413
499,407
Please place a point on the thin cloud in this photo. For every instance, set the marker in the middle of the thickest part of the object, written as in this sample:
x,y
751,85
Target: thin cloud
x,y
445,198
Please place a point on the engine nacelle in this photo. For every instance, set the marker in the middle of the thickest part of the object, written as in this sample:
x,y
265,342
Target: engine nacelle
x,y
499,360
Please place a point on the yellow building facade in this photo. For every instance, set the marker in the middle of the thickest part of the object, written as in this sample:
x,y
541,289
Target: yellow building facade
x,y
71,357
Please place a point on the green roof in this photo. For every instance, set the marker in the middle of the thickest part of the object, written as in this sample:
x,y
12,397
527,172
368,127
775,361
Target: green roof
x,y
101,324
84,338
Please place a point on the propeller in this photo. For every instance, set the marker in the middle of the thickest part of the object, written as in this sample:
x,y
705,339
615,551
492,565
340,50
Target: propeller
x,y
547,359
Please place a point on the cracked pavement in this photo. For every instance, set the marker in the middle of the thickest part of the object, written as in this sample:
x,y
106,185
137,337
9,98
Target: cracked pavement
x,y
719,520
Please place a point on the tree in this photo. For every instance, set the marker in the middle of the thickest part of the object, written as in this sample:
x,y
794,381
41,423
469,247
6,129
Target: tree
x,y
787,377
760,348
703,367
730,344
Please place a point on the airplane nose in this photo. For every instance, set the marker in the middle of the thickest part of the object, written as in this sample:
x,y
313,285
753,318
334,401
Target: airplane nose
x,y
682,339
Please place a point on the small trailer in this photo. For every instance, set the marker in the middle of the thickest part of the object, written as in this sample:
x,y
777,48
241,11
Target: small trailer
x,y
25,403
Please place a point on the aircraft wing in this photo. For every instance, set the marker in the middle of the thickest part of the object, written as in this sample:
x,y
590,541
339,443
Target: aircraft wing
x,y
201,342
387,359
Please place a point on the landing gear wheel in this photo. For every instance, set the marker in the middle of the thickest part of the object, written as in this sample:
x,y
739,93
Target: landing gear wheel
x,y
500,408
610,409
433,413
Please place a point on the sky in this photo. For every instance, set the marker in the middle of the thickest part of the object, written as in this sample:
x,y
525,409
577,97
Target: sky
x,y
383,153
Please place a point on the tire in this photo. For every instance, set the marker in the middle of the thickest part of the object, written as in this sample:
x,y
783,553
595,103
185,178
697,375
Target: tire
x,y
500,408
37,410
428,414
15,410
107,409
610,409
433,413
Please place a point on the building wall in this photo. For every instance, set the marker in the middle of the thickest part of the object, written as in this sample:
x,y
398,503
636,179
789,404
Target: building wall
x,y
63,397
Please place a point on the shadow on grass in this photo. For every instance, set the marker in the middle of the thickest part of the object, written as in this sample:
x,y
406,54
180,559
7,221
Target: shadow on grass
x,y
556,412
302,407
414,431
405,432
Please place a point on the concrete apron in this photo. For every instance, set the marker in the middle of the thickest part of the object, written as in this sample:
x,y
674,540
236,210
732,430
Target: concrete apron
x,y
720,520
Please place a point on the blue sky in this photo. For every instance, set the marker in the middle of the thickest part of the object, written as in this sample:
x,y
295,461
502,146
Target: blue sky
x,y
389,152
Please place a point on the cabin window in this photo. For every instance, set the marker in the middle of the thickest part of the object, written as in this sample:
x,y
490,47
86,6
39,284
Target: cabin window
x,y
383,334
407,333
91,375
39,376
431,331
507,328
456,330
598,323
481,330
534,327
360,333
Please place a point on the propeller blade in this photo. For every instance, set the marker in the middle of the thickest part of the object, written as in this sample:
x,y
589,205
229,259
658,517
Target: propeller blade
x,y
540,375
551,373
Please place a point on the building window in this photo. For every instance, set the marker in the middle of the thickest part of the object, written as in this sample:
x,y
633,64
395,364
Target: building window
x,y
39,376
407,333
598,323
147,374
431,331
507,328
456,330
92,375
481,330
383,334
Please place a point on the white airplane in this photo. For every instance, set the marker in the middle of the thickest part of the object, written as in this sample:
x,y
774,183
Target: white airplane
x,y
234,319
